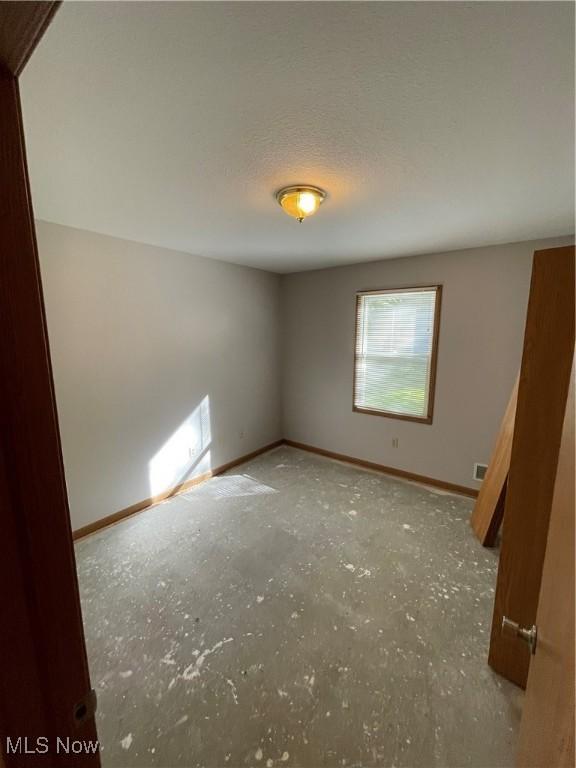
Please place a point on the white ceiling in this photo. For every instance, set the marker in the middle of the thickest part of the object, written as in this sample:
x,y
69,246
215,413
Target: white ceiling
x,y
433,126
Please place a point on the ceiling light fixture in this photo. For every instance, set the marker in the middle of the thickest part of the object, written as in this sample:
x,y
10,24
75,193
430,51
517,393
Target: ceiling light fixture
x,y
301,200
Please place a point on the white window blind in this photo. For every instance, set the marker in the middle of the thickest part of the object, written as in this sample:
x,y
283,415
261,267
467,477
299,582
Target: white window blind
x,y
395,351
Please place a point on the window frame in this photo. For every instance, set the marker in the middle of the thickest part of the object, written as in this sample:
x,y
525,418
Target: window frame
x,y
427,419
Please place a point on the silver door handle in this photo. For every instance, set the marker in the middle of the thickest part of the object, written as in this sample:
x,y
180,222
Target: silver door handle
x,y
513,629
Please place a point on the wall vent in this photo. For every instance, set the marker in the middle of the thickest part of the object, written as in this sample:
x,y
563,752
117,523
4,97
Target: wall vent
x,y
480,471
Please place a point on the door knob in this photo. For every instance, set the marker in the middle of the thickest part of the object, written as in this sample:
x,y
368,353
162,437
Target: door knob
x,y
513,629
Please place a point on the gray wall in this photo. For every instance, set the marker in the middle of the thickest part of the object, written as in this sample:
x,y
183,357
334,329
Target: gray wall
x,y
167,365
164,364
485,293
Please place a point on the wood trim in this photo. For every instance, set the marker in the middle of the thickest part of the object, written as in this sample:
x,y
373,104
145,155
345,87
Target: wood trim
x,y
392,415
355,347
43,668
400,289
433,356
452,487
21,27
489,510
247,457
140,506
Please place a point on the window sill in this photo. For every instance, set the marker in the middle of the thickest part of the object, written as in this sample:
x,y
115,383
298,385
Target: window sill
x,y
392,415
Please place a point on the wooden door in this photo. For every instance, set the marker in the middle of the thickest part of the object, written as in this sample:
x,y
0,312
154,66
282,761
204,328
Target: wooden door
x,y
44,679
547,728
542,392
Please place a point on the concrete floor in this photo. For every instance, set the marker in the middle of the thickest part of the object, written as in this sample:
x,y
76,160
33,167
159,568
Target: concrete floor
x,y
296,612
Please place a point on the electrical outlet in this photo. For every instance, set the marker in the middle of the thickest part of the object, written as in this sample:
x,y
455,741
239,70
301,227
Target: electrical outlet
x,y
394,442
241,434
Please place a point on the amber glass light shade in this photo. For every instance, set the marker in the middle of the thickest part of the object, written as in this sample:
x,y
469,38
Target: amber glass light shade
x,y
300,201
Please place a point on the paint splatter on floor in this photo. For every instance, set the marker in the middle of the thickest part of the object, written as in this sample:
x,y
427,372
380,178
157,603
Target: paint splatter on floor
x,y
255,620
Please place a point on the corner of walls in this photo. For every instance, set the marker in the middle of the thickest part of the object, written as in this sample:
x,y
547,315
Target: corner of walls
x,y
165,365
282,359
485,293
156,352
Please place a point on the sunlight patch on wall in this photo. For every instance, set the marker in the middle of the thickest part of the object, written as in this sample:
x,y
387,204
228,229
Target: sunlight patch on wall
x,y
185,454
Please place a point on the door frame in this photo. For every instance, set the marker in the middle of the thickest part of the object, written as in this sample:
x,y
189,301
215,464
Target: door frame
x,y
44,676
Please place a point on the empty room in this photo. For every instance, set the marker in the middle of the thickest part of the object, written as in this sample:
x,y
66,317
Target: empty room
x,y
287,341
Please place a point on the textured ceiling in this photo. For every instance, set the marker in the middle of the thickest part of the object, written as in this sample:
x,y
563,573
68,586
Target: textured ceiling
x,y
432,126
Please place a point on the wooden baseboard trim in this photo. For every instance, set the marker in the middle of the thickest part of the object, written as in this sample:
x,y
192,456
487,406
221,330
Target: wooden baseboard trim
x,y
246,457
451,487
140,506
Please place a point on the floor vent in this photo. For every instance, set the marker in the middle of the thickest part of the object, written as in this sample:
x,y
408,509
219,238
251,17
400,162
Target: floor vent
x,y
480,471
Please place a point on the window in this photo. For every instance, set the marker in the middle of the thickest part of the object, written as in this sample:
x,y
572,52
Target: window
x,y
395,359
